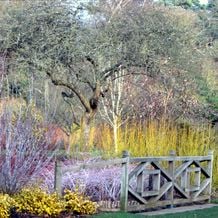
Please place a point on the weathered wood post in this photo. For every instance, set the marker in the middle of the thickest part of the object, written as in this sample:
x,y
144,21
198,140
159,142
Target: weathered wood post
x,y
210,171
171,169
58,175
124,182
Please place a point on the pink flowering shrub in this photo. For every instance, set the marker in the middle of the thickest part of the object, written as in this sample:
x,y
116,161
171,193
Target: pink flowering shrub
x,y
99,184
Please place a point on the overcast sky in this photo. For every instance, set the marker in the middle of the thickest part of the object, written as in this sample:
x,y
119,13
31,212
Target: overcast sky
x,y
203,1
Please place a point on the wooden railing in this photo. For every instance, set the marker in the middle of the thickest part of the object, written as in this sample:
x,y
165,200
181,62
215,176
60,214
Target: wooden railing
x,y
172,179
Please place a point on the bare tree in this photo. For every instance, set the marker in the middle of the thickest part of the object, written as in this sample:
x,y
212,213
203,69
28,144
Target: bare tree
x,y
115,104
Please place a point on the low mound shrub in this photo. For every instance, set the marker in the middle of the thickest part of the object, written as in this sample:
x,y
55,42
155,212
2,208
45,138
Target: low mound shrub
x,y
35,201
78,203
6,203
38,202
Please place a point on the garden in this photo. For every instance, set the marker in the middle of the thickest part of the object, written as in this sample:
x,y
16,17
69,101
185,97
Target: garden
x,y
83,81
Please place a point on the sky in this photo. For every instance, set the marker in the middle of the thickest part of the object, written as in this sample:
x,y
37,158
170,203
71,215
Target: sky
x,y
203,1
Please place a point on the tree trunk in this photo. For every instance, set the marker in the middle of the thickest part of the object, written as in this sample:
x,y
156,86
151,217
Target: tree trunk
x,y
91,107
89,115
86,122
115,132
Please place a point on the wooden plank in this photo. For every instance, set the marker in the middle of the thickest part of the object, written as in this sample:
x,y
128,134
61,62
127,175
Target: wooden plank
x,y
203,170
170,158
191,158
150,193
183,193
102,209
163,171
162,191
165,203
151,172
58,178
137,196
191,200
124,183
74,169
181,168
210,170
149,159
171,171
156,180
155,176
93,165
188,182
192,188
138,169
149,205
140,183
197,181
184,179
197,176
193,169
204,184
141,207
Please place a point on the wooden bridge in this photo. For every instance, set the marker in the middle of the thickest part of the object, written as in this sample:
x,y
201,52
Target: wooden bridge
x,y
172,180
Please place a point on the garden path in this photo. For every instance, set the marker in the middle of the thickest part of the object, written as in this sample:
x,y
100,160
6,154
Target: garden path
x,y
179,209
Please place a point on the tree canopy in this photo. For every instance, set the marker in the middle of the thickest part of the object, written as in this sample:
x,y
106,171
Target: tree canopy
x,y
79,46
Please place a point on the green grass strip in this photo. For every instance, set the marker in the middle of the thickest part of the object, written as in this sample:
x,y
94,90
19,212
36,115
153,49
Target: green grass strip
x,y
202,213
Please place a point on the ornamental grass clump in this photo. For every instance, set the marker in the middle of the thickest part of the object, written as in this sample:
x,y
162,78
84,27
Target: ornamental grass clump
x,y
6,203
158,137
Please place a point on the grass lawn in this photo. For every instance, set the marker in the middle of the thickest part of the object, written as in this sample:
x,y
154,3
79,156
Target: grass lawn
x,y
211,212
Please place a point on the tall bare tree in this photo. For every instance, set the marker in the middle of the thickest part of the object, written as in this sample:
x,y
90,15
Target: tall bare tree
x,y
115,106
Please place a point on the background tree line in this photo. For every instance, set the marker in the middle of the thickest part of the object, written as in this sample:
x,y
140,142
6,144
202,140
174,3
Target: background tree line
x,y
82,63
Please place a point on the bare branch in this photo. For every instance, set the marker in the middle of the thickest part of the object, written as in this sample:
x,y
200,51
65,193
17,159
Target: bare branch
x,y
74,89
